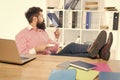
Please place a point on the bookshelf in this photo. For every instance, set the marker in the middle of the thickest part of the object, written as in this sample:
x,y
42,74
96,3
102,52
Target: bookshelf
x,y
84,18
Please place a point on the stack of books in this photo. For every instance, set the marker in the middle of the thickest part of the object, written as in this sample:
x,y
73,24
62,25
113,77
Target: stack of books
x,y
91,5
71,19
71,4
57,22
79,70
110,8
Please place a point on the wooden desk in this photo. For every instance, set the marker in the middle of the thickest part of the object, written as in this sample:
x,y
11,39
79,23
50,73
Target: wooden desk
x,y
40,68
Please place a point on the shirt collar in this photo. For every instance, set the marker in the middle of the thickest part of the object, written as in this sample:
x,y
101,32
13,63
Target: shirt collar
x,y
31,28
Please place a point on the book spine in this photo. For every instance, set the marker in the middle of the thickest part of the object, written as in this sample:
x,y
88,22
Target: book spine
x,y
67,5
74,19
73,4
61,18
54,19
115,20
88,20
50,16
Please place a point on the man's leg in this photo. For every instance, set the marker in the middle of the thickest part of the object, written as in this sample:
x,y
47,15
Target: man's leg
x,y
105,51
82,50
74,49
94,49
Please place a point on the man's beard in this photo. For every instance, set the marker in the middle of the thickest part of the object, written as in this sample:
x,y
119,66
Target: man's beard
x,y
41,25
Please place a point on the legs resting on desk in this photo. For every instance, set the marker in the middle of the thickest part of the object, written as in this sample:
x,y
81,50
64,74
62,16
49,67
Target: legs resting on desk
x,y
99,49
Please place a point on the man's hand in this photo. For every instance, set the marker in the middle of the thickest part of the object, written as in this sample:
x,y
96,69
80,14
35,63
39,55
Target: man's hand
x,y
40,48
43,47
57,33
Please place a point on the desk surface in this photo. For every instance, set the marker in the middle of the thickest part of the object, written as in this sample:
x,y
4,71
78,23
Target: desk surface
x,y
40,68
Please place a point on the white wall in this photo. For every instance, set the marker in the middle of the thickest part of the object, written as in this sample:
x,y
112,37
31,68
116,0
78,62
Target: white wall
x,y
112,3
116,38
12,18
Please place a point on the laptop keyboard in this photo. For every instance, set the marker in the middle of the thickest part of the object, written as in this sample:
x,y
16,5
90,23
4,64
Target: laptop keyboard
x,y
24,58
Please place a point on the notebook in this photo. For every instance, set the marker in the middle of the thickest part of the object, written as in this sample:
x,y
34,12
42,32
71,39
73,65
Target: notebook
x,y
83,65
85,75
63,65
101,66
63,74
9,53
109,76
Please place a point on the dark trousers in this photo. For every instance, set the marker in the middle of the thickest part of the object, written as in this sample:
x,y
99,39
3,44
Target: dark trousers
x,y
74,49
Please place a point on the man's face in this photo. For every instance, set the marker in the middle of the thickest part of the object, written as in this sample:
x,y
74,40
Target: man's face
x,y
40,18
40,22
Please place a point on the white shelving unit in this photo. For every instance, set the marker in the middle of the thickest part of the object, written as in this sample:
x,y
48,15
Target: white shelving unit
x,y
86,20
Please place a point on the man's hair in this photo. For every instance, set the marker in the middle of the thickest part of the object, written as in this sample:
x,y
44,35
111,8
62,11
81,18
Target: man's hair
x,y
33,11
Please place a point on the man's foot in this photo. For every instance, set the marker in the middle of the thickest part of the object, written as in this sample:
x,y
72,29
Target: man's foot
x,y
105,51
94,49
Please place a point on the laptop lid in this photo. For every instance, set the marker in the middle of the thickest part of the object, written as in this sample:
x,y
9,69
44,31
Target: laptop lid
x,y
9,53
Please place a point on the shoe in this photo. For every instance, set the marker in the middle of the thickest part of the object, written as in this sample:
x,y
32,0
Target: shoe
x,y
105,51
94,49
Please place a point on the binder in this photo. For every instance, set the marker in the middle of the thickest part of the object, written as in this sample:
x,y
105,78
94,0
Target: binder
x,y
74,19
54,19
61,18
115,20
88,20
74,3
67,5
